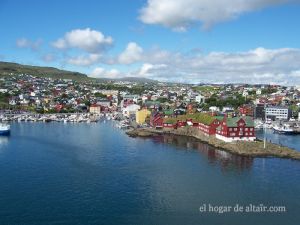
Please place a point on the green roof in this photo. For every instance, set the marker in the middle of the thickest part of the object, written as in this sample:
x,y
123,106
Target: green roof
x,y
220,118
198,117
150,103
170,120
232,122
168,112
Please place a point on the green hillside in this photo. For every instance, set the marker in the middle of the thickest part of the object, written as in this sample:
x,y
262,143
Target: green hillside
x,y
7,68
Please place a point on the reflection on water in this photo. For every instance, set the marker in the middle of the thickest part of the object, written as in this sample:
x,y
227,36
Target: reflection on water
x,y
3,140
226,160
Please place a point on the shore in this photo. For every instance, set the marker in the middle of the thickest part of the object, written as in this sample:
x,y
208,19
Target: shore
x,y
253,149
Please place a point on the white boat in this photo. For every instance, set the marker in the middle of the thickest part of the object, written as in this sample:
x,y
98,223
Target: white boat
x,y
4,129
283,129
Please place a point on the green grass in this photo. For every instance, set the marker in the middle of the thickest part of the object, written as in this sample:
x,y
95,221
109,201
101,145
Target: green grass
x,y
205,88
7,68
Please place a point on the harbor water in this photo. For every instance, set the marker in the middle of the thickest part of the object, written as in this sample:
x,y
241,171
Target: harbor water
x,y
65,173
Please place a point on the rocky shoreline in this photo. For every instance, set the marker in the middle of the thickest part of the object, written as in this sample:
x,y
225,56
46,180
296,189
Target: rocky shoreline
x,y
252,149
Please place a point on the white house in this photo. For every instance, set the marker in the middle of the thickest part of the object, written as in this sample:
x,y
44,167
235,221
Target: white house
x,y
200,99
130,109
214,109
258,91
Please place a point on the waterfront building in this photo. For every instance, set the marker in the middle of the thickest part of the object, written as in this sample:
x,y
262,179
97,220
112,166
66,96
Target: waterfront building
x,y
236,129
156,119
141,115
130,110
96,109
208,126
278,112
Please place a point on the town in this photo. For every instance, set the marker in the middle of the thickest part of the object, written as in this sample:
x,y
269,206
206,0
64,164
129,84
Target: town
x,y
227,111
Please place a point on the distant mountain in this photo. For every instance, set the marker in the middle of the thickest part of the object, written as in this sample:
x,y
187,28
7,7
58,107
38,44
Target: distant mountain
x,y
7,68
137,79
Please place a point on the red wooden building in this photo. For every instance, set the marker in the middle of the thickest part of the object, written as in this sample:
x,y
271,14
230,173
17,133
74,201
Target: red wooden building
x,y
209,128
156,119
236,129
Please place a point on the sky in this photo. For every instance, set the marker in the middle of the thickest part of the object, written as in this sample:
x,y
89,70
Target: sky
x,y
190,41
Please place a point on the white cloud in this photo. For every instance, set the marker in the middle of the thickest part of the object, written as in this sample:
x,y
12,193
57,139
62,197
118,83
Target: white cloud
x,y
181,14
26,43
91,41
148,69
84,60
132,53
100,72
259,65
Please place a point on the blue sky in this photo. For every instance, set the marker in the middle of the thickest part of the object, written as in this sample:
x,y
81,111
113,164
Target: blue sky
x,y
181,40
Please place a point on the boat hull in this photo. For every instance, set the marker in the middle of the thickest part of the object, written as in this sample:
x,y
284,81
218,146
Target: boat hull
x,y
283,131
4,132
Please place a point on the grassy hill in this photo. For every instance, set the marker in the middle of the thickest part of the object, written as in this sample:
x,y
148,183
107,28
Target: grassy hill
x,y
6,68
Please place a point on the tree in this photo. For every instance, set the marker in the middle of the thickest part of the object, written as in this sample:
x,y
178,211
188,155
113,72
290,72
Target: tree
x,y
100,95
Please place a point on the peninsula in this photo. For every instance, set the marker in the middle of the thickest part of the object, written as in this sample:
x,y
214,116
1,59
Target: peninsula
x,y
243,148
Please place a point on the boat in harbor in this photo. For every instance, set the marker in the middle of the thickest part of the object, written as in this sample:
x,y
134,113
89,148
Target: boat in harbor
x,y
284,129
4,129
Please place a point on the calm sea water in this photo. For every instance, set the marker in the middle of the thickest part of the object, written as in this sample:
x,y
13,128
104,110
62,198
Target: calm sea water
x,y
94,174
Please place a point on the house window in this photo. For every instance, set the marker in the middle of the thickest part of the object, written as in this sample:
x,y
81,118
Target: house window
x,y
246,129
235,129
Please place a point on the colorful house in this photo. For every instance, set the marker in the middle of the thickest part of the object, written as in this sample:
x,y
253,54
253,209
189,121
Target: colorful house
x,y
141,115
156,119
236,129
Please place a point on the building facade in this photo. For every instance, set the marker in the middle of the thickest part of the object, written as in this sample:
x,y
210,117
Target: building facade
x,y
278,112
236,129
141,115
96,109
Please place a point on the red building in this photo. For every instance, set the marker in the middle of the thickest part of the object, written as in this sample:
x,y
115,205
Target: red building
x,y
236,129
156,119
246,110
209,128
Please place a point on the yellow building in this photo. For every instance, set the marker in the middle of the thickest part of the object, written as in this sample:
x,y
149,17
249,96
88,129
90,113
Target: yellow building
x,y
141,115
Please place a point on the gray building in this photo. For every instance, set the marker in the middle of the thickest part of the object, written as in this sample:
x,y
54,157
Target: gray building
x,y
278,112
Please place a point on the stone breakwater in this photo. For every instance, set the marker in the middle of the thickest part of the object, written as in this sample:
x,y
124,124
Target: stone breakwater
x,y
253,149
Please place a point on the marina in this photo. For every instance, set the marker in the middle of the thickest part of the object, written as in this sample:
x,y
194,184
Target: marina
x,y
57,117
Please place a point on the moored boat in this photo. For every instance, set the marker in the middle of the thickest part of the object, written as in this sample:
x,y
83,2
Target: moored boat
x,y
4,129
283,129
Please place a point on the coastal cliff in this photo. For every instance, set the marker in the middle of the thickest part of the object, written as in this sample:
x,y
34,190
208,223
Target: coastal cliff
x,y
253,149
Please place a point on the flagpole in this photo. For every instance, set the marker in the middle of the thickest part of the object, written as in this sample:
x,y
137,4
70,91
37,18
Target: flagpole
x,y
265,124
